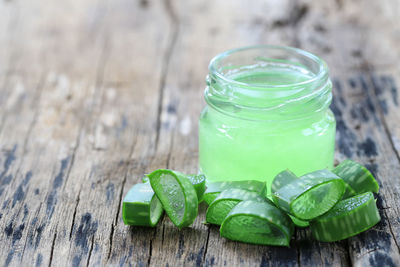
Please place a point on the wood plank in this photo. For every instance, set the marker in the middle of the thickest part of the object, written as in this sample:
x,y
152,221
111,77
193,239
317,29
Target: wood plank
x,y
118,141
367,142
345,38
21,92
49,147
382,57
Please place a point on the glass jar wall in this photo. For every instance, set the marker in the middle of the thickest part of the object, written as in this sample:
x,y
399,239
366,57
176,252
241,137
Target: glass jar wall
x,y
267,111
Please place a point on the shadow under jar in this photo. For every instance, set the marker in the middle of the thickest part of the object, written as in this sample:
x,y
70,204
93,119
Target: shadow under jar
x,y
267,111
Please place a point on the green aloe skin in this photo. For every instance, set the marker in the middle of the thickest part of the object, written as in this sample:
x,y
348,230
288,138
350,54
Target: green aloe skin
x,y
245,212
141,206
348,218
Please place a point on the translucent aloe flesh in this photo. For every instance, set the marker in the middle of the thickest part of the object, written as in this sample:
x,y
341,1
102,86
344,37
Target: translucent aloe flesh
x,y
199,184
358,178
177,195
311,195
283,178
213,189
257,223
298,222
348,218
226,200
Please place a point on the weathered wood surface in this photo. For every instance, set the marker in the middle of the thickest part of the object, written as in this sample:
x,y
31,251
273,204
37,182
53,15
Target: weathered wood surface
x,y
94,93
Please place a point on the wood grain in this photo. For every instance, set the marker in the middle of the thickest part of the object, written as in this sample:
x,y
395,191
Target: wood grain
x,y
96,93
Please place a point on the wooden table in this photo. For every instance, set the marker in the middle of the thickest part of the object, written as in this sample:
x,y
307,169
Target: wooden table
x,y
95,93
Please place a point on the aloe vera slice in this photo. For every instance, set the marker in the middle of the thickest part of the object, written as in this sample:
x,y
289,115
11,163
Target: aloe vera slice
x,y
349,191
177,195
298,222
311,195
358,178
213,189
348,218
284,178
141,207
199,184
281,179
226,200
257,223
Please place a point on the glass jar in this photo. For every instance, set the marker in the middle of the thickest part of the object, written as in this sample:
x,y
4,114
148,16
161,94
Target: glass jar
x,y
267,111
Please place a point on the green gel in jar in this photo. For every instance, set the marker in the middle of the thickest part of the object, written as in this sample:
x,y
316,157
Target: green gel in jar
x,y
267,111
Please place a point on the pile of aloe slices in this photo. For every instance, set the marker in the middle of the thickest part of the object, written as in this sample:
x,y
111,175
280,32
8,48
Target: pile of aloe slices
x,y
335,204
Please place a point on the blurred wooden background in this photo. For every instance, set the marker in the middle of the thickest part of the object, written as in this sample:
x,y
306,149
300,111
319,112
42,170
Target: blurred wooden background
x,y
95,93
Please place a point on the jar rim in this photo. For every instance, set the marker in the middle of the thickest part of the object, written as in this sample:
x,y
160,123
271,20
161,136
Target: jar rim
x,y
321,74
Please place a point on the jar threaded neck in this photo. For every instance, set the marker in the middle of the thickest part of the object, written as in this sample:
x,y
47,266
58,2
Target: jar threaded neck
x,y
268,82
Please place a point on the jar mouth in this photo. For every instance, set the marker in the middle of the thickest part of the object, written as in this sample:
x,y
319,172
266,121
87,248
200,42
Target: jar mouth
x,y
268,82
320,71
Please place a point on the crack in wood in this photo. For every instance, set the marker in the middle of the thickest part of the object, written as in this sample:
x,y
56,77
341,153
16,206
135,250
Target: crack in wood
x,y
110,242
206,246
150,252
152,239
297,248
132,149
382,119
52,247
174,20
90,251
111,236
162,234
74,215
391,231
345,251
320,256
23,250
